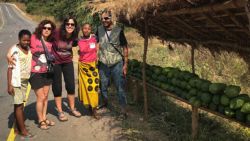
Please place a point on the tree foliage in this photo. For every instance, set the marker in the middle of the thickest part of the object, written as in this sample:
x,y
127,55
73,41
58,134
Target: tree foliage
x,y
61,9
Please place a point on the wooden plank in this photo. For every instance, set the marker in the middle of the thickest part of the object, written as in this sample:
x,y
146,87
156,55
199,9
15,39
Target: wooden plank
x,y
215,7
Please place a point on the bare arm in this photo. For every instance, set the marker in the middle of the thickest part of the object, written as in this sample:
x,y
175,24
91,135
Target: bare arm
x,y
125,65
11,60
97,50
9,78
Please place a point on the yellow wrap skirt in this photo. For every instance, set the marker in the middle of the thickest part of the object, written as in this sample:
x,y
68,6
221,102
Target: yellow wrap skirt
x,y
88,84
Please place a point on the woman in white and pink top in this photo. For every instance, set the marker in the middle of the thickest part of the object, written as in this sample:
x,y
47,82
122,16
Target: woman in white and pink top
x,y
40,79
88,72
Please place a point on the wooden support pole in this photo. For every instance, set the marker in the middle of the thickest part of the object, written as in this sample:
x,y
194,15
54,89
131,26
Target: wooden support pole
x,y
195,122
192,58
195,114
135,90
144,67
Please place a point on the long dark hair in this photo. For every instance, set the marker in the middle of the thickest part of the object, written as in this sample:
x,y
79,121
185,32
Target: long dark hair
x,y
63,31
39,29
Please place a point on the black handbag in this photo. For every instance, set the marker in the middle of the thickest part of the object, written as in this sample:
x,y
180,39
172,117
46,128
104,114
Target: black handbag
x,y
49,57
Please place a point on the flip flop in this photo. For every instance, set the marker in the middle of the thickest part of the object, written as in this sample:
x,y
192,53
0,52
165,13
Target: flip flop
x,y
49,122
43,125
62,116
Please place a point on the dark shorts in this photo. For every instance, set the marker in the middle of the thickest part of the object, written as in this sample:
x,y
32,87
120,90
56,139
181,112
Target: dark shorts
x,y
39,80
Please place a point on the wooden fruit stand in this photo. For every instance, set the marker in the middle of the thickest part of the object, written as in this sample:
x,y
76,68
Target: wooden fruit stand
x,y
195,110
218,25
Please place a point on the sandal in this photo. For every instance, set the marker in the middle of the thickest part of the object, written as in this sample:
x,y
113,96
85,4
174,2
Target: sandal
x,y
95,114
43,125
75,113
28,137
122,116
50,123
62,116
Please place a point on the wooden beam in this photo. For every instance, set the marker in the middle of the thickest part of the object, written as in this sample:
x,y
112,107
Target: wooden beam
x,y
247,9
186,25
218,16
195,122
217,23
176,27
232,46
212,7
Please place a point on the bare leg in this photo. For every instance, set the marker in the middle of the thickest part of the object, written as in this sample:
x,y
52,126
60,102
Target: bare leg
x,y
45,102
40,104
20,119
58,101
71,99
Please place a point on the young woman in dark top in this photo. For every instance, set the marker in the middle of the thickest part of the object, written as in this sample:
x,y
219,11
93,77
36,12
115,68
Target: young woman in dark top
x,y
66,38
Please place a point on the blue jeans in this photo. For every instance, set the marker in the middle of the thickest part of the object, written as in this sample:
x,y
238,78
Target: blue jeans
x,y
115,72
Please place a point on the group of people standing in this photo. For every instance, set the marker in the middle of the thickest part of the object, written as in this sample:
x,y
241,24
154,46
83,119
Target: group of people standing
x,y
42,57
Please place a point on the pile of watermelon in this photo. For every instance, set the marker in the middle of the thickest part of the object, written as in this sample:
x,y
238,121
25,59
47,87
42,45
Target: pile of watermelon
x,y
219,97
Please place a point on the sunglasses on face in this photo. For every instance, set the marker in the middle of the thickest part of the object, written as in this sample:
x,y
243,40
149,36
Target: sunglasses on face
x,y
68,24
105,18
48,28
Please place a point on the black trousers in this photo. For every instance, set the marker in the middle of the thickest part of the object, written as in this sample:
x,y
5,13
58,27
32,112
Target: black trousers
x,y
67,69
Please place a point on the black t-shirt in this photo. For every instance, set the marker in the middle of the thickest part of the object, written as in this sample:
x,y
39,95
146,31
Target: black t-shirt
x,y
123,40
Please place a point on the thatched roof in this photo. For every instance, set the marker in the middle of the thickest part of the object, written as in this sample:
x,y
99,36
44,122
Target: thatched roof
x,y
220,23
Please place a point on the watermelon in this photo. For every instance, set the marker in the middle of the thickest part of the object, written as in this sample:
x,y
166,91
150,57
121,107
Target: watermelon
x,y
246,108
192,82
192,92
205,86
197,103
216,99
240,116
236,103
248,119
221,109
157,70
206,98
154,77
192,100
217,88
162,78
164,86
212,106
224,100
232,91
198,83
229,112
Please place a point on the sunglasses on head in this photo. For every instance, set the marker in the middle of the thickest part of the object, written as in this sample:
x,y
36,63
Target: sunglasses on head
x,y
106,18
68,24
48,28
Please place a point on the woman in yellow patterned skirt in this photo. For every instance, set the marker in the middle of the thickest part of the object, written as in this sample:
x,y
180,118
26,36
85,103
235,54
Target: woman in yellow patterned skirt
x,y
88,72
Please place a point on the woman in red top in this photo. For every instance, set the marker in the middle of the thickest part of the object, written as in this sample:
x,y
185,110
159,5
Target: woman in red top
x,y
40,79
88,72
66,38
